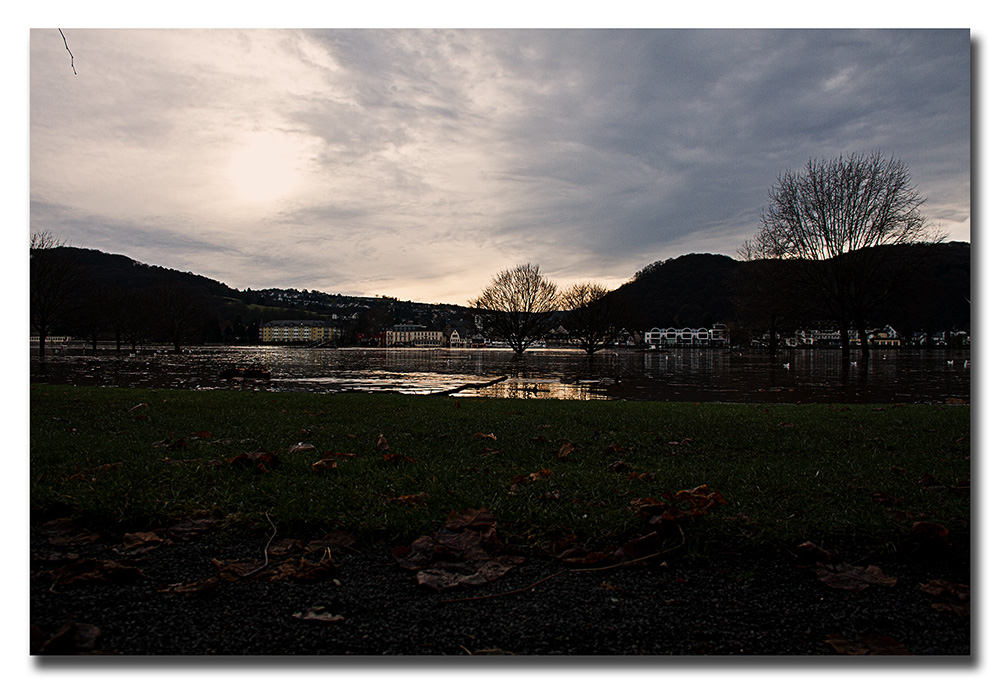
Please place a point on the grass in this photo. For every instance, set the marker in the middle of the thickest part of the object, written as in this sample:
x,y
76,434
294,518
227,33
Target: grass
x,y
789,473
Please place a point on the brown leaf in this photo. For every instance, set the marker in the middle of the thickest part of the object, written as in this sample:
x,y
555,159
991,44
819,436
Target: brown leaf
x,y
851,578
231,571
808,552
94,570
318,614
396,457
335,540
191,528
72,638
490,436
878,645
565,450
261,460
408,499
324,465
639,548
301,447
283,547
191,588
303,570
201,435
138,540
948,597
382,445
884,498
541,474
929,532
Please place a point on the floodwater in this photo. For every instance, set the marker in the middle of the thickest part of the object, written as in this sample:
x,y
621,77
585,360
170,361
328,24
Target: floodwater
x,y
686,375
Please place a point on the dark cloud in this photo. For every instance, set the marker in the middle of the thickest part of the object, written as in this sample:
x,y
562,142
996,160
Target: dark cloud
x,y
590,152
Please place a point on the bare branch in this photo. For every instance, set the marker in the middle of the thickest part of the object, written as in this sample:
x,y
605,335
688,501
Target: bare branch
x,y
66,43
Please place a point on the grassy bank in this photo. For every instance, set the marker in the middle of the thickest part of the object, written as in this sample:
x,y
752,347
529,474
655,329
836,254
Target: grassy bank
x,y
547,469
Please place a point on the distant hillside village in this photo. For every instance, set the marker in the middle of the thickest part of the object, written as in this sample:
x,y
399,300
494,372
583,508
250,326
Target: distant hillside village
x,y
99,299
320,333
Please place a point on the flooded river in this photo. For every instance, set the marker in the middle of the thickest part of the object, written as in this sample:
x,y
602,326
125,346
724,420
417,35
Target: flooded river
x,y
692,375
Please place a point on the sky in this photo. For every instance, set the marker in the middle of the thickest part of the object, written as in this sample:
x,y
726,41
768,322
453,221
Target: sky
x,y
418,163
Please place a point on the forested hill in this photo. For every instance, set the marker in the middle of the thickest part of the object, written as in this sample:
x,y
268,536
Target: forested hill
x,y
688,291
701,289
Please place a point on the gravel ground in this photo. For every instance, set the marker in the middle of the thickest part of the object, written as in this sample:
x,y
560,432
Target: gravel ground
x,y
730,601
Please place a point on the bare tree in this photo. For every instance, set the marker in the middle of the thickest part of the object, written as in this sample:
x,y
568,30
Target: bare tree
x,y
54,280
517,306
839,216
180,312
591,316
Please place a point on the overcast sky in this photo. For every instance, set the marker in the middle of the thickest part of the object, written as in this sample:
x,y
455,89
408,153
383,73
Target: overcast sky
x,y
418,163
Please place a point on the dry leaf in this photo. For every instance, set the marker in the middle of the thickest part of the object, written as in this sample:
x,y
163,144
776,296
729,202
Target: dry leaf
x,y
318,614
844,576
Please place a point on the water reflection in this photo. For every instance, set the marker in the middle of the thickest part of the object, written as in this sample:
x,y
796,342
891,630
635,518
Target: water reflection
x,y
679,375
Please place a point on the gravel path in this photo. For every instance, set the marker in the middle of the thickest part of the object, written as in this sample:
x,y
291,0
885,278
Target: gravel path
x,y
730,601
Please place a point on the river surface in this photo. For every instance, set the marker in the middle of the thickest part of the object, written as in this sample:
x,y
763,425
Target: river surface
x,y
686,375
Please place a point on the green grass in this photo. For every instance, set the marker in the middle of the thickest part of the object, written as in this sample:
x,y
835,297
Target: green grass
x,y
788,472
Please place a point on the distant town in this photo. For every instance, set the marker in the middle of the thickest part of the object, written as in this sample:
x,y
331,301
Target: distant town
x,y
319,333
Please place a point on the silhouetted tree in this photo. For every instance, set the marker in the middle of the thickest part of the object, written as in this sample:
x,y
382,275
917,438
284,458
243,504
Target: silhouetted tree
x,y
180,313
54,281
517,306
840,215
591,316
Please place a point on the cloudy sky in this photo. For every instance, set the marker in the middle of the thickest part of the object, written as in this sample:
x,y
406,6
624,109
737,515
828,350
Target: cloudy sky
x,y
418,163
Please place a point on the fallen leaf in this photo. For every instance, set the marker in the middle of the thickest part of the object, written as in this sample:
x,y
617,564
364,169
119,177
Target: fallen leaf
x,y
94,570
382,445
948,597
335,540
396,457
261,460
808,552
191,528
303,570
411,499
878,645
323,465
301,447
201,435
490,436
141,540
884,498
929,533
191,588
851,578
565,450
72,638
318,614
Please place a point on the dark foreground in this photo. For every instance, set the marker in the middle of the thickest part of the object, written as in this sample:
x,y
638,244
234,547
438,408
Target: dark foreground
x,y
730,600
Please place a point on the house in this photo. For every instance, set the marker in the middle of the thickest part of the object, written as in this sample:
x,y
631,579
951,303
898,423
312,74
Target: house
x,y
884,337
413,336
660,337
298,331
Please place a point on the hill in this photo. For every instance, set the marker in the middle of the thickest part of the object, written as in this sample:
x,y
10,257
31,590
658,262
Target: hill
x,y
229,314
689,291
701,289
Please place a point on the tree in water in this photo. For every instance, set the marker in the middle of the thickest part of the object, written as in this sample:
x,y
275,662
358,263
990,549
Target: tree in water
x,y
839,216
517,306
591,316
54,283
